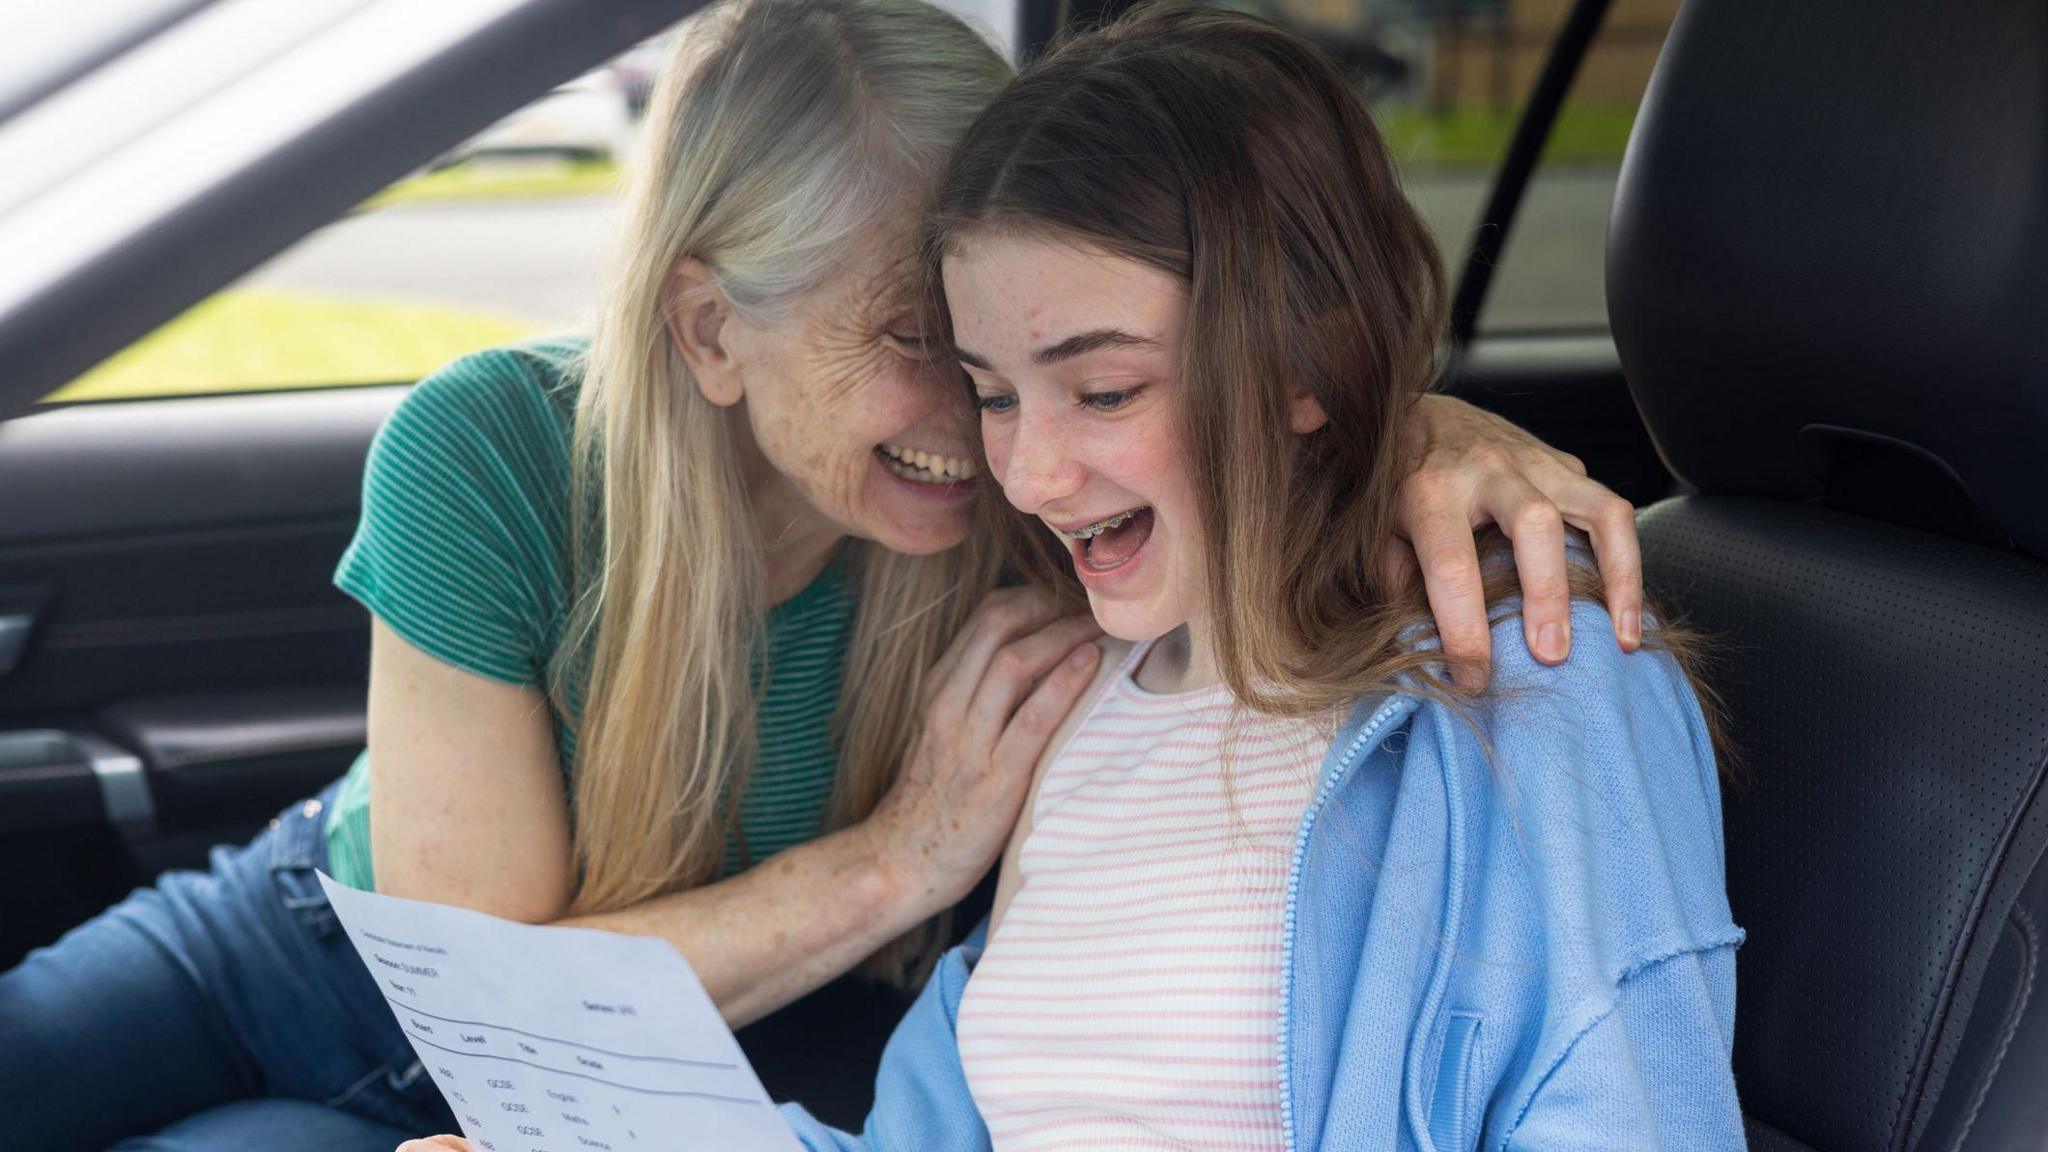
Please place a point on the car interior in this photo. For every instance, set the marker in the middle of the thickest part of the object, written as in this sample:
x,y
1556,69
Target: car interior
x,y
1824,384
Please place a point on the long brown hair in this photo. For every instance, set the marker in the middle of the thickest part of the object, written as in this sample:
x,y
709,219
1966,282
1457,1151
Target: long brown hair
x,y
1228,153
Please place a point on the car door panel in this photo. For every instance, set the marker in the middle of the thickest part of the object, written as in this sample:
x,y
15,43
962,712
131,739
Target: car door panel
x,y
231,758
174,562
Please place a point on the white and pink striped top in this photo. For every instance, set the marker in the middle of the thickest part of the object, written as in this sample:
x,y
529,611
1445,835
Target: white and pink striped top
x,y
1131,997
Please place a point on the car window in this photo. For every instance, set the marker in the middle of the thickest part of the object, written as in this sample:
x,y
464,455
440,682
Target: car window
x,y
1447,81
500,239
496,241
1551,274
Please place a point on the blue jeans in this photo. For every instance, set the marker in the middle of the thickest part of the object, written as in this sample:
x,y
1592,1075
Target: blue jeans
x,y
218,1011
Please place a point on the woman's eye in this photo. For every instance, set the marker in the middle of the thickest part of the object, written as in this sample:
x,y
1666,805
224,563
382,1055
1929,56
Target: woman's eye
x,y
908,341
1109,401
995,403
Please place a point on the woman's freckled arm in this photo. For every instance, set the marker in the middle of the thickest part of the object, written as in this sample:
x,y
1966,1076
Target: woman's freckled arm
x,y
468,808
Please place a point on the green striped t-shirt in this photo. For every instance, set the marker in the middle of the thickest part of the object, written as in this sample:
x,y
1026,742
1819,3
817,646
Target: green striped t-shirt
x,y
462,549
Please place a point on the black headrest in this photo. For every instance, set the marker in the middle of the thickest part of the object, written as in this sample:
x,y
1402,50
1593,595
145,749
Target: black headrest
x,y
1828,262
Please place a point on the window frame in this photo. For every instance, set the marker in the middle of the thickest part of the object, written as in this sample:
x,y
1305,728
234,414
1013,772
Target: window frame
x,y
1533,126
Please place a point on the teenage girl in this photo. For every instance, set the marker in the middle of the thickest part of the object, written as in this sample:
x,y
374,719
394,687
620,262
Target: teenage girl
x,y
1281,884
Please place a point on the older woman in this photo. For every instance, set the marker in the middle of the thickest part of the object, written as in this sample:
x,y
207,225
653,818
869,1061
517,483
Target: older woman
x,y
681,632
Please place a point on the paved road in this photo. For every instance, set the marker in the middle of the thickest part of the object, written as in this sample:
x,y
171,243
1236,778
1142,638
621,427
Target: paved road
x,y
538,260
1551,273
532,260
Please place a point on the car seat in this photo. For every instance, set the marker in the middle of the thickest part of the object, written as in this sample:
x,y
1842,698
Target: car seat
x,y
1827,276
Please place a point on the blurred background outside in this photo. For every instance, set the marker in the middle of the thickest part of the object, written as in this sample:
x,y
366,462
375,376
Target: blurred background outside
x,y
501,238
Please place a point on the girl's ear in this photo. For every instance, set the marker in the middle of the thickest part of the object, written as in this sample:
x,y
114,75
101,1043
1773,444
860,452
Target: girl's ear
x,y
701,324
1304,413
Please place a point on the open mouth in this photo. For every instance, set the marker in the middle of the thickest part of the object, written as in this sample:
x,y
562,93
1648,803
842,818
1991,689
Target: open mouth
x,y
1109,544
920,467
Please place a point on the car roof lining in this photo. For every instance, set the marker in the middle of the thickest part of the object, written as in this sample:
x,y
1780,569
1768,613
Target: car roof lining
x,y
44,59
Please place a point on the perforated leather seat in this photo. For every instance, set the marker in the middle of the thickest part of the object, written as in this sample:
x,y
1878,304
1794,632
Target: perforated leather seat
x,y
1828,281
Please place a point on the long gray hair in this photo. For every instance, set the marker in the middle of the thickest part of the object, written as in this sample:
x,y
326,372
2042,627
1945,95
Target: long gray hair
x,y
779,138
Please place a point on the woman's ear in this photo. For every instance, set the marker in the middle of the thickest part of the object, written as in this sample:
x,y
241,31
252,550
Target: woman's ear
x,y
700,323
1304,413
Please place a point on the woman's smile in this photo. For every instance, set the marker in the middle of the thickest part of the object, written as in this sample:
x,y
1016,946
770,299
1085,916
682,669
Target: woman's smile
x,y
926,467
928,476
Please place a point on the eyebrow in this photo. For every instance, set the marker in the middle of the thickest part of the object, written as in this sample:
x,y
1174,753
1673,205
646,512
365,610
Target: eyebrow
x,y
1072,346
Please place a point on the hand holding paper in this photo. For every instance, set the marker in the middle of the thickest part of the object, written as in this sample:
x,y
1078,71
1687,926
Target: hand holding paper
x,y
547,1039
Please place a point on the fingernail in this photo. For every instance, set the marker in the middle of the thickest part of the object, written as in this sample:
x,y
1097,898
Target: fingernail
x,y
1082,655
1631,629
1551,643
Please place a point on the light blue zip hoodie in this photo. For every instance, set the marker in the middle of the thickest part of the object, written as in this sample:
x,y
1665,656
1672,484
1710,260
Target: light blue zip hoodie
x,y
1504,931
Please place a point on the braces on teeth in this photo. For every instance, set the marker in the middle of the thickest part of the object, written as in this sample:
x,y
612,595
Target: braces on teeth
x,y
1101,526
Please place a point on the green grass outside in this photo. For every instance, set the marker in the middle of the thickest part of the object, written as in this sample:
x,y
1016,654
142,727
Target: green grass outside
x,y
1478,137
502,180
239,341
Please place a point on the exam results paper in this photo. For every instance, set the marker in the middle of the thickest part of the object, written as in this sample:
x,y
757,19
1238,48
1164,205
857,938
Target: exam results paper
x,y
548,1039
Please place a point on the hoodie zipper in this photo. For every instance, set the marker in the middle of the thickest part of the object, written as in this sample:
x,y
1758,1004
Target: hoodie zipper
x,y
1337,772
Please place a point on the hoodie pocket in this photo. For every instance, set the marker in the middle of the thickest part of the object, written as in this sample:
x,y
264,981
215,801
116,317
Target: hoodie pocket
x,y
1450,1096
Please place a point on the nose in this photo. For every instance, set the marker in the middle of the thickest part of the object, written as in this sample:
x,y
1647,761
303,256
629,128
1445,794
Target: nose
x,y
1034,466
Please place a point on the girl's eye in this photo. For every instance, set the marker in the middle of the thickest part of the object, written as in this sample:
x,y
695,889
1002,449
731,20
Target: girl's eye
x,y
995,403
1109,401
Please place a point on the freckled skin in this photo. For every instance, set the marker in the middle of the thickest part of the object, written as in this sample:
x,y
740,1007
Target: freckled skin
x,y
1059,459
826,384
